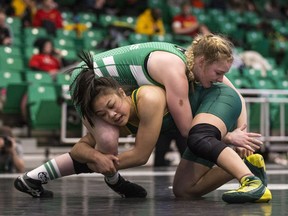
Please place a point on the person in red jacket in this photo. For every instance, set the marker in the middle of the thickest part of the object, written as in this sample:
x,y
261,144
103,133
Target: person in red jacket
x,y
48,17
48,59
186,23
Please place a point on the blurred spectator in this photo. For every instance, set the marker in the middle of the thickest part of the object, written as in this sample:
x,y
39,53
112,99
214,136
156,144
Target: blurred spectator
x,y
251,59
198,4
5,31
133,7
48,17
187,24
48,59
29,13
18,7
150,22
218,4
241,6
11,152
255,60
273,10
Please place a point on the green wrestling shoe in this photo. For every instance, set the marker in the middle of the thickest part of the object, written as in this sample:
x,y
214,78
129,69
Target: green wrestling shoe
x,y
257,166
251,190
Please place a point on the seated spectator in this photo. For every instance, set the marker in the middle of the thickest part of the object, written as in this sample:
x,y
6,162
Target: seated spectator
x,y
48,59
5,31
11,152
29,13
150,22
48,17
187,24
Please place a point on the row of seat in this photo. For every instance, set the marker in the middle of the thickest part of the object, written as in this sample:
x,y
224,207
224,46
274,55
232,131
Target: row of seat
x,y
43,93
251,78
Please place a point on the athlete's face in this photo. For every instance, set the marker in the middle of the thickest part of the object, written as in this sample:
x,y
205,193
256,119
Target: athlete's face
x,y
113,108
212,73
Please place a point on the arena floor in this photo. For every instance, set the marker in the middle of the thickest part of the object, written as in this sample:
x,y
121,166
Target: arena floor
x,y
88,195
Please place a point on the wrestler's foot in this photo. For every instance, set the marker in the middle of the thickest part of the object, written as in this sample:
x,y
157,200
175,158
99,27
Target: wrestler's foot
x,y
257,166
127,189
251,190
32,187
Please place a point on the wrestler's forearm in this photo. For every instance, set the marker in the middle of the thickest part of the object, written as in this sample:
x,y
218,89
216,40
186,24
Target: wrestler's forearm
x,y
84,153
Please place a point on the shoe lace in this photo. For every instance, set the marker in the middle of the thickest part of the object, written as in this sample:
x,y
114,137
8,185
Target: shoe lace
x,y
244,183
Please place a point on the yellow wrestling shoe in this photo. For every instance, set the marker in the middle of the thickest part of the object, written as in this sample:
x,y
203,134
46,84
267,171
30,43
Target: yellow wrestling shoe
x,y
251,190
257,166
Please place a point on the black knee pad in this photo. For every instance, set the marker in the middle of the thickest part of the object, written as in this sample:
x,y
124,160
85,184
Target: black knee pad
x,y
205,141
80,167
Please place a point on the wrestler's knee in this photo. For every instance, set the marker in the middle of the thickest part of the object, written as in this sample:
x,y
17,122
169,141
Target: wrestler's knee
x,y
107,143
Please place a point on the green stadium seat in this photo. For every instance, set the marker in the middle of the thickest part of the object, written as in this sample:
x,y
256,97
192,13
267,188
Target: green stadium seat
x,y
233,73
228,28
94,33
85,17
162,38
241,82
251,18
254,36
15,24
67,15
129,20
64,43
276,24
37,77
283,30
138,38
263,83
124,43
197,11
32,34
44,111
62,79
174,10
91,43
107,20
8,77
10,51
69,54
204,19
12,62
276,74
282,84
262,46
29,52
280,46
14,96
252,73
62,33
272,61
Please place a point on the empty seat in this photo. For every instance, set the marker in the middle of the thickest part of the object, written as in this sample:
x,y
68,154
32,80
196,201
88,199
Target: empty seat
x,y
8,77
44,112
12,62
34,77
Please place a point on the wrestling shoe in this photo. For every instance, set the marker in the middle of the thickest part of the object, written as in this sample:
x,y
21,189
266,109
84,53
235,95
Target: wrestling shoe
x,y
31,186
251,190
257,166
127,189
